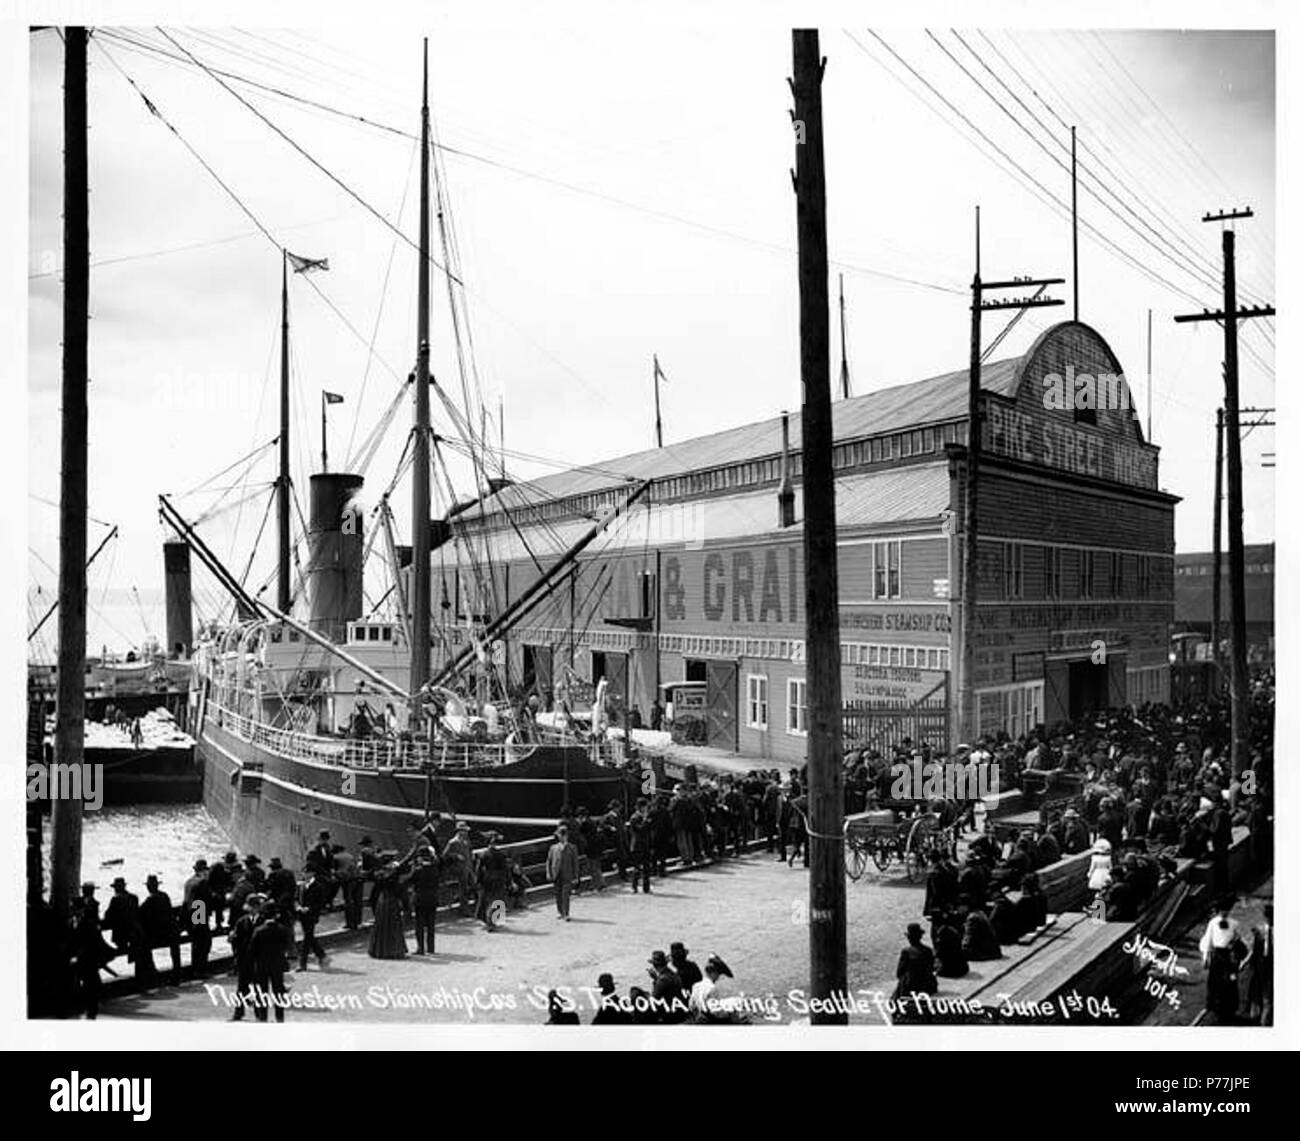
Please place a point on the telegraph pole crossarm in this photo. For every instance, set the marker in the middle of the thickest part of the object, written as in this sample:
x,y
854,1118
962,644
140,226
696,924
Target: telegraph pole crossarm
x,y
1032,289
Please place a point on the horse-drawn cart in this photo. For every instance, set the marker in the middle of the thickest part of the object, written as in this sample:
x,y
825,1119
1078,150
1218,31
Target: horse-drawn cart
x,y
913,842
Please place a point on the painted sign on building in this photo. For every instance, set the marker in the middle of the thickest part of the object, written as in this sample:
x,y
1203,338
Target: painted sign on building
x,y
736,587
1053,441
888,685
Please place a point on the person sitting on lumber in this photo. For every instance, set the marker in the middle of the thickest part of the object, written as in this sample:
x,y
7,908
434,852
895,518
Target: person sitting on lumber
x,y
979,941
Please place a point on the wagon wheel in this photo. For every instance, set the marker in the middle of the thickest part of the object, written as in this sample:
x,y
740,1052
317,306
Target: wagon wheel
x,y
857,863
918,847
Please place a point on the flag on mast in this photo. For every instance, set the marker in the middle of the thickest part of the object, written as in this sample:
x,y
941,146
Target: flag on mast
x,y
332,397
306,265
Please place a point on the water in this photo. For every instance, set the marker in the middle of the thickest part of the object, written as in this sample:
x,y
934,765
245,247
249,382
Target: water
x,y
158,839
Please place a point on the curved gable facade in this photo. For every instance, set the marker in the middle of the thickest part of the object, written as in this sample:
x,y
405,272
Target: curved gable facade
x,y
1073,411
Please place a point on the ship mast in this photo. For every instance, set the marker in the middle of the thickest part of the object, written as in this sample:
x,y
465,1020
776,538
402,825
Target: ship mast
x,y
285,587
420,505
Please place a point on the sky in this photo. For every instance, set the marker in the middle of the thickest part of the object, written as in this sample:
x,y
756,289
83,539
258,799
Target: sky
x,y
621,190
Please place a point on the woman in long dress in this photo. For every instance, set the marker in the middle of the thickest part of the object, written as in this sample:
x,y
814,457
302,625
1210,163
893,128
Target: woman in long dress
x,y
387,940
1223,951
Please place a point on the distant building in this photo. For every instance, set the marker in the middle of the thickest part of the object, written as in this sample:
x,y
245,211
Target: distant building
x,y
1194,596
704,582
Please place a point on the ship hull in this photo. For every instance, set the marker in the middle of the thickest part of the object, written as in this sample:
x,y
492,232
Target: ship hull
x,y
275,805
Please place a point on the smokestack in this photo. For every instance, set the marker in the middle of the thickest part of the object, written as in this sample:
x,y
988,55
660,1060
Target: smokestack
x,y
334,551
785,496
176,590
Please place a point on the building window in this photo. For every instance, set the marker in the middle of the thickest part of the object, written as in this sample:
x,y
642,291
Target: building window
x,y
1087,573
756,697
1143,576
907,444
1013,570
1052,572
885,580
1116,574
796,707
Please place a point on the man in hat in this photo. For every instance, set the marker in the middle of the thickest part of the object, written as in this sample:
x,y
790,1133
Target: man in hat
x,y
87,948
157,929
494,881
708,1002
281,886
246,884
269,950
196,903
221,881
348,874
940,885
425,882
640,842
241,936
669,1000
320,856
313,894
122,919
915,972
611,1011
687,971
158,922
255,872
458,863
562,870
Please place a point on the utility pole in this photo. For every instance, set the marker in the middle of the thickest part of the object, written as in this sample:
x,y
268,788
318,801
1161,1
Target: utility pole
x,y
1215,603
844,349
1230,315
659,424
284,594
827,924
968,714
70,729
420,504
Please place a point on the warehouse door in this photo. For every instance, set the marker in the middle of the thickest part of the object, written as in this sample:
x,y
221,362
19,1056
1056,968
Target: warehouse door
x,y
539,670
613,668
1056,693
1089,688
721,699
1117,681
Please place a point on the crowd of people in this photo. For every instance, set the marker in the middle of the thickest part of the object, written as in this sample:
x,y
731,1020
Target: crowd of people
x,y
1142,790
1135,789
678,991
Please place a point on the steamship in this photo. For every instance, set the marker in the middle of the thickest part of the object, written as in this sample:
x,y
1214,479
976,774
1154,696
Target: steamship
x,y
356,724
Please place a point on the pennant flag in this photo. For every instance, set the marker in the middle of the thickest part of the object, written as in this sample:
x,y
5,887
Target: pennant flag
x,y
332,397
305,265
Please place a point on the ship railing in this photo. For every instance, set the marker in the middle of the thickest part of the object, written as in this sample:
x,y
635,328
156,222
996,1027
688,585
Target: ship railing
x,y
382,752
